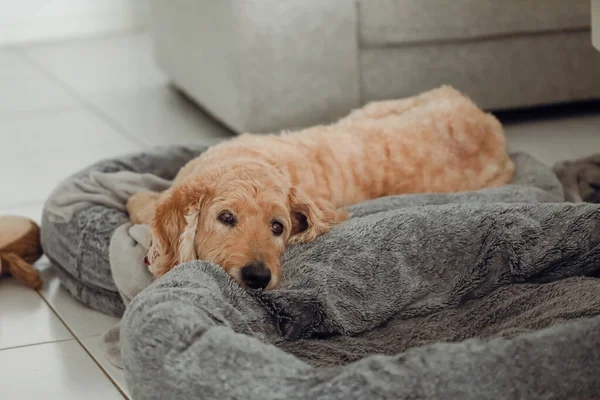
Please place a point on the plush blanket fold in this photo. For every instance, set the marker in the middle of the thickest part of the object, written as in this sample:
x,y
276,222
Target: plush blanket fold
x,y
580,179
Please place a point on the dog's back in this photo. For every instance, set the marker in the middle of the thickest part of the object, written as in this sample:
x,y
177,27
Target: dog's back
x,y
446,144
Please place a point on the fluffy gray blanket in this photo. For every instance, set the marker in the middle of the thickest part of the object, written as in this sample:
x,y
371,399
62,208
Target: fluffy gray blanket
x,y
484,295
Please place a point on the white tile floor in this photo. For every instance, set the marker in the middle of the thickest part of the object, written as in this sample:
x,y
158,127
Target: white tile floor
x,y
66,105
62,107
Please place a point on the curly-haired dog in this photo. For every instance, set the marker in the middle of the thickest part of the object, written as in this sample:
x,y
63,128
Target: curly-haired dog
x,y
241,202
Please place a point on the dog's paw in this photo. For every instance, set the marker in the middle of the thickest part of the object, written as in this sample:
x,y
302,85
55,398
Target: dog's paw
x,y
141,206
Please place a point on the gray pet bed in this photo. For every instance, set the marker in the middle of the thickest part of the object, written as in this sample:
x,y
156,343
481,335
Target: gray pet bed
x,y
476,295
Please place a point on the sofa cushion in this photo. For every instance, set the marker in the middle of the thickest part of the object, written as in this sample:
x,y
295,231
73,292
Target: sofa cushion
x,y
504,73
392,22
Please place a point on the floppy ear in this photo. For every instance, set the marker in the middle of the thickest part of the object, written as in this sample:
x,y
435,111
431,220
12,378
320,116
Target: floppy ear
x,y
311,217
174,225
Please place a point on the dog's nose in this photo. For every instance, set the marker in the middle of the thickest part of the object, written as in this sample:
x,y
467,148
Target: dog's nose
x,y
256,275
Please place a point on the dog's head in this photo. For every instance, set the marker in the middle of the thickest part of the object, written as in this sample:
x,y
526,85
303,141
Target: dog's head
x,y
238,220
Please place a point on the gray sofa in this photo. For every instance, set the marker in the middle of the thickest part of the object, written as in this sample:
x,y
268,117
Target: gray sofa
x,y
264,65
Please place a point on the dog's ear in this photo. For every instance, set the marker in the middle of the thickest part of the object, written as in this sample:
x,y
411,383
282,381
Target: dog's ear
x,y
311,217
174,225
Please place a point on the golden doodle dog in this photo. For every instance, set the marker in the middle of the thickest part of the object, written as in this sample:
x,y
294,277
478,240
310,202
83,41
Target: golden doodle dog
x,y
242,201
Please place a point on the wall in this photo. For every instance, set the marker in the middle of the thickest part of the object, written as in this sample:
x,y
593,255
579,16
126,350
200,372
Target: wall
x,y
23,21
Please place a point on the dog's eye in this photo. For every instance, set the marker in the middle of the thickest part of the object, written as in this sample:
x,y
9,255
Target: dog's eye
x,y
227,218
277,228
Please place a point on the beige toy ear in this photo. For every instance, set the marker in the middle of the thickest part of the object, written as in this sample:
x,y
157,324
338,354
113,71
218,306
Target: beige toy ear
x,y
19,248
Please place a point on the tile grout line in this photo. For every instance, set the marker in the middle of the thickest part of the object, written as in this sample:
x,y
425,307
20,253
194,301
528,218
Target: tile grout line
x,y
20,346
30,203
106,374
87,105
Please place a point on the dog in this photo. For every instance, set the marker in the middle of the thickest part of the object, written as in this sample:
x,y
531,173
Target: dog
x,y
240,203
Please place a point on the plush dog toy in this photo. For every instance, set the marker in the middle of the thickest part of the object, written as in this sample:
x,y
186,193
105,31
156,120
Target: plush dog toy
x,y
19,248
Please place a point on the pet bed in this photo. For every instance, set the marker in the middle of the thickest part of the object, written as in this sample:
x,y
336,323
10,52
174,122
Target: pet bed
x,y
366,311
83,212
